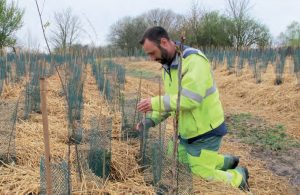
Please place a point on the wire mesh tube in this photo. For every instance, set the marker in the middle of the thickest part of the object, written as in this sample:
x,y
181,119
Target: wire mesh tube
x,y
61,183
157,164
95,150
75,102
8,112
130,116
32,97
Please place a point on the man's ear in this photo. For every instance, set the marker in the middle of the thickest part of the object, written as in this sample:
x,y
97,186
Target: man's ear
x,y
164,42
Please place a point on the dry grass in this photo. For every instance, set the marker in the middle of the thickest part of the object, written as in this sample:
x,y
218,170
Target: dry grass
x,y
238,95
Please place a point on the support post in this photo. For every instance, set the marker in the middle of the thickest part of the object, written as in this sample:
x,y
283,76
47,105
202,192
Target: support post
x,y
43,90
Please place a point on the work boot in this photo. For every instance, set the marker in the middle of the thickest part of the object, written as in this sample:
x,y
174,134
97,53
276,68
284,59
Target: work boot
x,y
244,172
230,162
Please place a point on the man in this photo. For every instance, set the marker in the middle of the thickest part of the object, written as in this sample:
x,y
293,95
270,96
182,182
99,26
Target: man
x,y
201,119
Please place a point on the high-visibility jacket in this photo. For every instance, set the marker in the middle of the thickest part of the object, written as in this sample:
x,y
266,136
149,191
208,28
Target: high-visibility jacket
x,y
200,107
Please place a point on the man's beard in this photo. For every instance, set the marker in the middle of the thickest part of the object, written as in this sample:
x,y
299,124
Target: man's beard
x,y
165,57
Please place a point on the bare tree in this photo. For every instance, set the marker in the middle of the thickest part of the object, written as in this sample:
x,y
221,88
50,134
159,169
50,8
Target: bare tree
x,y
67,30
161,17
245,31
42,25
192,23
171,21
124,34
238,11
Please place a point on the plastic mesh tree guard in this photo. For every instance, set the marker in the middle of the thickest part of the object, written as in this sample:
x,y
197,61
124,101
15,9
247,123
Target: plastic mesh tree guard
x,y
130,116
296,56
158,166
8,112
95,150
61,180
32,97
74,87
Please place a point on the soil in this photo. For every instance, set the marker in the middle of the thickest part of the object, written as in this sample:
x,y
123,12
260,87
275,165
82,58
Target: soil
x,y
282,163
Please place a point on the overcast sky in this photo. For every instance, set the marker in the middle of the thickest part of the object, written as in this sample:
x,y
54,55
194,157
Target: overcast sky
x,y
276,14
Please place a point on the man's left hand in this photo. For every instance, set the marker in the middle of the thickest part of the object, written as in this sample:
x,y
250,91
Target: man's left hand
x,y
144,105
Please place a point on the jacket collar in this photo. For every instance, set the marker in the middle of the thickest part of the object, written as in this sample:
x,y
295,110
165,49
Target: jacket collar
x,y
174,63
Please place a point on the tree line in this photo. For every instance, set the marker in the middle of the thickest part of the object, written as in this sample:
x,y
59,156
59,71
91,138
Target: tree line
x,y
235,28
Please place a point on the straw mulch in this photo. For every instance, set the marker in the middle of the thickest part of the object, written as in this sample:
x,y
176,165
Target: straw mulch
x,y
274,103
277,104
24,178
126,177
262,181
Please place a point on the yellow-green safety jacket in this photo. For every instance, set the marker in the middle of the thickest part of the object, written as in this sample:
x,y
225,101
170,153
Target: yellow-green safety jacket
x,y
201,112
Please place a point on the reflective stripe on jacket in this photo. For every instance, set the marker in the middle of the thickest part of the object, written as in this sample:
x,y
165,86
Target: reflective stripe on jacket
x,y
200,107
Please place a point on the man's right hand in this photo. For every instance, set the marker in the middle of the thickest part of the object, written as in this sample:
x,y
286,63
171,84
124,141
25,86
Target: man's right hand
x,y
147,122
139,126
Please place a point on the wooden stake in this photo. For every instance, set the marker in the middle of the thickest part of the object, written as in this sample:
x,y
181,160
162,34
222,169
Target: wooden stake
x,y
46,135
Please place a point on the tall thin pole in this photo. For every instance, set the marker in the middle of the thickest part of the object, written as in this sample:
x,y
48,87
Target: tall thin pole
x,y
46,40
159,113
42,25
139,95
66,94
46,134
176,129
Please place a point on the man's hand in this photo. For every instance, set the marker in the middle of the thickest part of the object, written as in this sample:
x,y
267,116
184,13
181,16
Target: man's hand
x,y
144,105
139,126
147,123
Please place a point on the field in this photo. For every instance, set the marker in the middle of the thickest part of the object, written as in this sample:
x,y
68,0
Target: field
x,y
258,109
263,122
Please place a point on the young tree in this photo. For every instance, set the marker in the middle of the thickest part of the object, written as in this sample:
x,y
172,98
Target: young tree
x,y
10,21
67,30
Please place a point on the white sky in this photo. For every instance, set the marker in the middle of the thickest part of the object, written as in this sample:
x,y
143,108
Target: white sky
x,y
276,14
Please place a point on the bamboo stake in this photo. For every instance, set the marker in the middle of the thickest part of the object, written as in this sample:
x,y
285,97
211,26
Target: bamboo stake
x,y
159,112
46,135
137,100
175,138
143,140
104,153
62,84
69,168
78,162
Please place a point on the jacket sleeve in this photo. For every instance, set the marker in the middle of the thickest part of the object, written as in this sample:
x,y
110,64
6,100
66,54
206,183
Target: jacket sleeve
x,y
156,119
196,83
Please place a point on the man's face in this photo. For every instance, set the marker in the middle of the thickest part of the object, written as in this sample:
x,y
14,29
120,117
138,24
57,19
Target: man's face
x,y
157,52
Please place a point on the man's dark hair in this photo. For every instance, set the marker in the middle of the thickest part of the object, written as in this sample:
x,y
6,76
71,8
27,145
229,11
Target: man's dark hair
x,y
154,34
